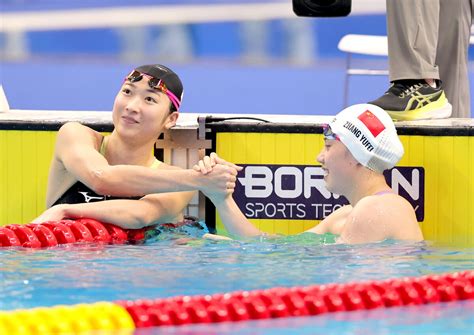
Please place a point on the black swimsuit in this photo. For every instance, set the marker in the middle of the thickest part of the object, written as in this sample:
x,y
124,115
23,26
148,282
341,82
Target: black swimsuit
x,y
80,193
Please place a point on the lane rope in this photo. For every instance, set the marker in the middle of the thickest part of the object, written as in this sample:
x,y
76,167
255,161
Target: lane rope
x,y
53,233
237,306
301,301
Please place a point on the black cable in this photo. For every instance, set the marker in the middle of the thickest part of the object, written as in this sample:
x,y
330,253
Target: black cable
x,y
210,119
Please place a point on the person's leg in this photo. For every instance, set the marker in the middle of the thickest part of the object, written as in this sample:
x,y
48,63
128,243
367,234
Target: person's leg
x,y
412,28
453,42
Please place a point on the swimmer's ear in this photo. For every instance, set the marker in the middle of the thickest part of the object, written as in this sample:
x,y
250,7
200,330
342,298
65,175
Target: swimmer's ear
x,y
171,120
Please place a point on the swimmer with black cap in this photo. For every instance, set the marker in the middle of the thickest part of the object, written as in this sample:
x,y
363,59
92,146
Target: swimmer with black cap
x,y
89,168
359,144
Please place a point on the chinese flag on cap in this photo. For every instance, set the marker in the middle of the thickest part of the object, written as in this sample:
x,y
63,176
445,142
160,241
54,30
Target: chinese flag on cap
x,y
372,123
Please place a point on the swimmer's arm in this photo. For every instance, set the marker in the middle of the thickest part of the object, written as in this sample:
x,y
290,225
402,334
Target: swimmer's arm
x,y
132,214
76,150
234,220
216,237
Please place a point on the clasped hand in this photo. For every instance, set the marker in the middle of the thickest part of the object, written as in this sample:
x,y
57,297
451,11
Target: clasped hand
x,y
220,174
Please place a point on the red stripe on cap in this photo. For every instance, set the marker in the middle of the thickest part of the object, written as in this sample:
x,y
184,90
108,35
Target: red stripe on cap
x,y
372,123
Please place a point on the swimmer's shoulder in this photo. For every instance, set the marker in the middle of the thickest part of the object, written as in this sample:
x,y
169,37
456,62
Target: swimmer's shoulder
x,y
73,132
389,216
76,128
390,209
382,201
341,212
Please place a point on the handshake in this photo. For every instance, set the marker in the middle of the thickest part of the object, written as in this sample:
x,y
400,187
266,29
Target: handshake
x,y
218,177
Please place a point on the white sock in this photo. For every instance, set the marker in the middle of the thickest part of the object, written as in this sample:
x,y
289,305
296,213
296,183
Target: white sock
x,y
431,82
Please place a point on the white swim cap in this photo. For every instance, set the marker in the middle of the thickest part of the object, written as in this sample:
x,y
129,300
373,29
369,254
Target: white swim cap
x,y
369,134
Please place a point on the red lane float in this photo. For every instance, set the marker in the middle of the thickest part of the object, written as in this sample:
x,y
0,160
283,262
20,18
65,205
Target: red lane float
x,y
79,231
63,233
25,235
46,236
300,301
8,238
53,233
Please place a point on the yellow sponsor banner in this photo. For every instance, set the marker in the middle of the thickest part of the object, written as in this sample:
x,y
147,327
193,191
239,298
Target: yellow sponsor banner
x,y
436,174
24,167
26,157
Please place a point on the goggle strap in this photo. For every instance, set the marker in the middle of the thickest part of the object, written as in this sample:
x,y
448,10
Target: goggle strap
x,y
173,99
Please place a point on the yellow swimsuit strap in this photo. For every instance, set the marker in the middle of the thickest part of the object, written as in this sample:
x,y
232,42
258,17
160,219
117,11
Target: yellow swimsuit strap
x,y
155,164
103,147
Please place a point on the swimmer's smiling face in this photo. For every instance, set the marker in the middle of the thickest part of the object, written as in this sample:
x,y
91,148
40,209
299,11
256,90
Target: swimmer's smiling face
x,y
142,111
338,164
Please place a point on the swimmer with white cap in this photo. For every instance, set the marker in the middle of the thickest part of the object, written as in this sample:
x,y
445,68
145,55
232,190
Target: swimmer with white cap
x,y
359,144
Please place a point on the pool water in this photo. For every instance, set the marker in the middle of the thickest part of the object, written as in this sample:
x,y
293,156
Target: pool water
x,y
181,263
